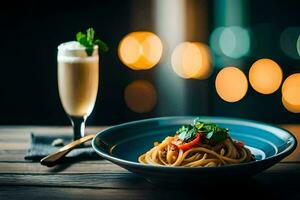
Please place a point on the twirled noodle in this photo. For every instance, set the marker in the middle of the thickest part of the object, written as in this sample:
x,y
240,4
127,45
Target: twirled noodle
x,y
201,155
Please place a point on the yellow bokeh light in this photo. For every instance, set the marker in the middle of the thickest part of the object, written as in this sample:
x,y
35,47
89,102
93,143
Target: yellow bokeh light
x,y
176,59
265,76
205,69
140,50
192,60
140,96
290,93
290,107
231,84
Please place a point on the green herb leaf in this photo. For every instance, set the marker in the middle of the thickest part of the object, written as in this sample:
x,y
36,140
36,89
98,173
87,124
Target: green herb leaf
x,y
87,40
212,133
79,36
101,45
198,124
216,137
186,133
90,35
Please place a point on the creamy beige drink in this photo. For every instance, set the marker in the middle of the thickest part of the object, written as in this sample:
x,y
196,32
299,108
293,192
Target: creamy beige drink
x,y
78,77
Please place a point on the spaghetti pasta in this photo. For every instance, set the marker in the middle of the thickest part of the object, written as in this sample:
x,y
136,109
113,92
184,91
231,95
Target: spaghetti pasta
x,y
182,150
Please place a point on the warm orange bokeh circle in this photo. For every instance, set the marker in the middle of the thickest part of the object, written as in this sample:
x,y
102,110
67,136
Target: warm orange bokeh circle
x,y
192,60
231,84
140,50
291,93
265,76
140,96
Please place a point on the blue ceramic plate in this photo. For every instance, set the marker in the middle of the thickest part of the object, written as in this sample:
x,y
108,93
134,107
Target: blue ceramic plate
x,y
269,145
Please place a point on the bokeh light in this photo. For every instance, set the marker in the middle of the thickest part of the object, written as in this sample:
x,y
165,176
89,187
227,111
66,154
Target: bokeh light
x,y
290,107
231,84
140,96
290,93
192,60
205,68
288,42
265,76
140,50
232,41
214,40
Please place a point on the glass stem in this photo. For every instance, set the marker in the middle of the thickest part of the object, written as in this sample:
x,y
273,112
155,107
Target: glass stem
x,y
78,124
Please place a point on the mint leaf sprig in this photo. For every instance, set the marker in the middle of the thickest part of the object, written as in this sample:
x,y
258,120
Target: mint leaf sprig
x,y
88,41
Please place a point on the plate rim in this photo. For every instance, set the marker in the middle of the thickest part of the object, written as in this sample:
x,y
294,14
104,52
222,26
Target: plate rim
x,y
115,160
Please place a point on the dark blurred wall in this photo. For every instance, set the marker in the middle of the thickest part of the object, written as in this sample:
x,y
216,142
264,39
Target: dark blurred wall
x,y
32,30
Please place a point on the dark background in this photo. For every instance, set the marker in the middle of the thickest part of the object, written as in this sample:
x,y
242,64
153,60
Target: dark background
x,y
32,30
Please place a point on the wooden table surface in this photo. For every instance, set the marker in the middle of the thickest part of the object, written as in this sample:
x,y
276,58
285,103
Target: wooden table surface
x,y
100,179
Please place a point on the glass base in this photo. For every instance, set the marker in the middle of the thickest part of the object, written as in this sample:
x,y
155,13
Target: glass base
x,y
78,124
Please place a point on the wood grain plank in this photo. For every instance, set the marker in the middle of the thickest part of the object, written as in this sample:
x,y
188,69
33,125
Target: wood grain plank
x,y
78,167
132,188
15,155
127,180
19,192
97,180
14,146
12,155
101,166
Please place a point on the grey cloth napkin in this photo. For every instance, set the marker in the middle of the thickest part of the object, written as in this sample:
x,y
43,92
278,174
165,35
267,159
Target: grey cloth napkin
x,y
42,145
